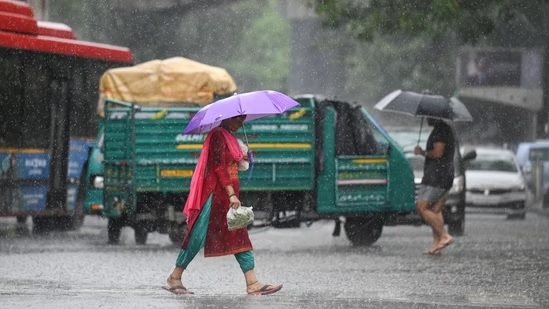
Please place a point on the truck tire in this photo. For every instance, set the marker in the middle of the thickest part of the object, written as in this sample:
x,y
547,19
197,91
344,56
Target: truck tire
x,y
364,231
76,219
42,225
177,232
140,232
22,220
114,229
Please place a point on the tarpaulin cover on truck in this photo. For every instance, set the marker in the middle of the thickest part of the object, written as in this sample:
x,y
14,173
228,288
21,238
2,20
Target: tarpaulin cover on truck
x,y
353,133
168,82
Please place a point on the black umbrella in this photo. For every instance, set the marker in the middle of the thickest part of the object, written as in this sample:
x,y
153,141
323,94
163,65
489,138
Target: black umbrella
x,y
459,111
424,105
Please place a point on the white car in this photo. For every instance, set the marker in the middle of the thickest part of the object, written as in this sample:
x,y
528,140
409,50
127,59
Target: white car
x,y
495,183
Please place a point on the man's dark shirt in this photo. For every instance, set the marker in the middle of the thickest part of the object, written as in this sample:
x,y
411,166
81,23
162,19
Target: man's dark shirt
x,y
439,172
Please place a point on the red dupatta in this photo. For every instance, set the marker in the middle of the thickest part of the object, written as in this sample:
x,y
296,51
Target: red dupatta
x,y
193,205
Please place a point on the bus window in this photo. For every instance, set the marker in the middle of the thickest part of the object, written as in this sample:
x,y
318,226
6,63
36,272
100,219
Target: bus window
x,y
36,105
10,95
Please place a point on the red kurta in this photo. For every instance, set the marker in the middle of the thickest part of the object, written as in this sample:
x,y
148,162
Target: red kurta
x,y
221,171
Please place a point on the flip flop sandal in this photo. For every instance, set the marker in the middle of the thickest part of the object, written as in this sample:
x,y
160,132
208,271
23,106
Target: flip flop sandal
x,y
267,289
177,289
451,241
432,252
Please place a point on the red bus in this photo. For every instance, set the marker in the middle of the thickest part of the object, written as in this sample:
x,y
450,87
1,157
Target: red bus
x,y
48,94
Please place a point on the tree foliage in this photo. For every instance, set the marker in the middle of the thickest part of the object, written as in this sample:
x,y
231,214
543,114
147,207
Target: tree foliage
x,y
383,65
472,21
413,44
262,58
393,29
247,37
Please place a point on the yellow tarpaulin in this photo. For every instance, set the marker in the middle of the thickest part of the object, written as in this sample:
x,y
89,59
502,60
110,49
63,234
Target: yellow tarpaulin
x,y
166,82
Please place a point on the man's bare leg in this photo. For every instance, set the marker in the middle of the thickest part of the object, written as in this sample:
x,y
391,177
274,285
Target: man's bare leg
x,y
436,239
433,217
444,239
427,215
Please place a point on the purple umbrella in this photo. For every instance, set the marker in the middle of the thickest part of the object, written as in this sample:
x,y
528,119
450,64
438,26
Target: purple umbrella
x,y
254,105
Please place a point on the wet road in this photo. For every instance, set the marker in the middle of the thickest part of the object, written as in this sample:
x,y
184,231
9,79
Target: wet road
x,y
497,264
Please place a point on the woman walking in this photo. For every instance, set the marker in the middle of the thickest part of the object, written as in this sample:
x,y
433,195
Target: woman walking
x,y
215,187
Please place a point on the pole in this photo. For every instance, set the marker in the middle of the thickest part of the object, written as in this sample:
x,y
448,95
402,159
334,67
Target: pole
x,y
39,8
420,127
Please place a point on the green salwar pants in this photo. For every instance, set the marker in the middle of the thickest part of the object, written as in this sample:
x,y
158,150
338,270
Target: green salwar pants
x,y
197,240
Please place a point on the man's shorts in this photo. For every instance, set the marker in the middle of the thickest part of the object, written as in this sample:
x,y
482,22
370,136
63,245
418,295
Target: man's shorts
x,y
430,194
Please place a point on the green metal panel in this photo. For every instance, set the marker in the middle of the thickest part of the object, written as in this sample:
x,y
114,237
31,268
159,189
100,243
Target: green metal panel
x,y
400,175
326,179
381,183
148,152
284,151
119,159
361,183
93,196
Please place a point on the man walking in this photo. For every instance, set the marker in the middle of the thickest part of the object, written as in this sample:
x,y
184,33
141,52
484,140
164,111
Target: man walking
x,y
438,177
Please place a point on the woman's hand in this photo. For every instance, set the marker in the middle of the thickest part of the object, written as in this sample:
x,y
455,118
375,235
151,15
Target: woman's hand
x,y
234,202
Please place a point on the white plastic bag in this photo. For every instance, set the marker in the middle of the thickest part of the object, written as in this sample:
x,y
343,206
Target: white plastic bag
x,y
240,217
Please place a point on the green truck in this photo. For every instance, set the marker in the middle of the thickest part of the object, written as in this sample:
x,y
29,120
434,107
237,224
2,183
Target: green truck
x,y
323,160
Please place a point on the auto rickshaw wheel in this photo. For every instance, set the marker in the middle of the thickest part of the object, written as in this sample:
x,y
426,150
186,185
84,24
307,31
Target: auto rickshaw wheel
x,y
140,233
364,231
114,229
177,232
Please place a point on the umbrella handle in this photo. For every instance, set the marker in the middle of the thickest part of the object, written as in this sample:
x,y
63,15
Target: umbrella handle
x,y
420,127
245,135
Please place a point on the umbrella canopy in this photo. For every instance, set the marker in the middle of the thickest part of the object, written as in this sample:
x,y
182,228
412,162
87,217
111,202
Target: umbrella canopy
x,y
254,105
459,111
424,105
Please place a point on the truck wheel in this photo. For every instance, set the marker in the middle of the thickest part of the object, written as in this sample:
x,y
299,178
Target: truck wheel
x,y
42,225
114,228
75,221
140,233
177,233
457,228
364,231
22,220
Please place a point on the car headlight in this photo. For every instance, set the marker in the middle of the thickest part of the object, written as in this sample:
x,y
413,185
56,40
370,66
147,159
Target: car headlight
x,y
98,182
458,185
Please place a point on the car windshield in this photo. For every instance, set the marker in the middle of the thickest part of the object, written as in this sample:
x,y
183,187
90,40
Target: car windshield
x,y
492,163
539,152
